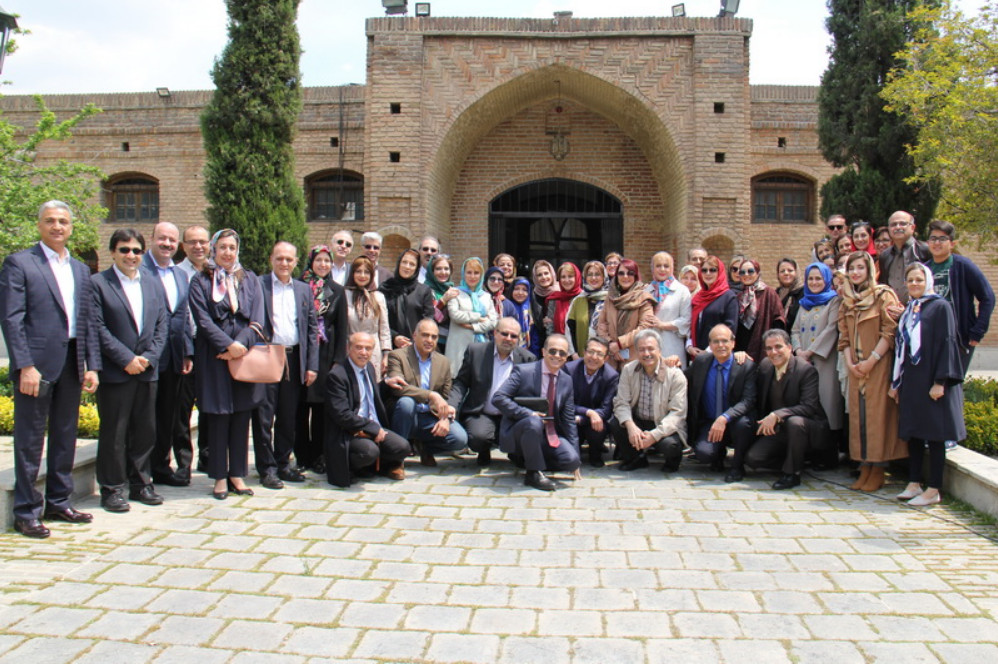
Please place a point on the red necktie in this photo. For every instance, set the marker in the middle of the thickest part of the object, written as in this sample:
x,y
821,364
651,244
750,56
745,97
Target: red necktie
x,y
549,429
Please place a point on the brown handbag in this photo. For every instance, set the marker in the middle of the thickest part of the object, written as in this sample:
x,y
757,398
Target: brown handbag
x,y
263,363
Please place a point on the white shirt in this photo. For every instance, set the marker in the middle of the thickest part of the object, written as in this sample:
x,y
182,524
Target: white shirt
x,y
188,268
169,283
422,275
133,292
284,317
339,275
63,269
501,369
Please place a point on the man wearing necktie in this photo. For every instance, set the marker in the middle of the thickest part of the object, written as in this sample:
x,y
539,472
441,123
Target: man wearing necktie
x,y
547,440
650,407
173,423
357,442
721,399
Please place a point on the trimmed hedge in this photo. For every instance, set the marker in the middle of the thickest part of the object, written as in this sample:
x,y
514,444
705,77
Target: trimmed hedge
x,y
980,413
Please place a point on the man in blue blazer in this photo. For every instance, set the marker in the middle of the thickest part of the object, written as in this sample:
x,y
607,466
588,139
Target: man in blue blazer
x,y
545,439
289,320
131,322
595,385
45,306
173,423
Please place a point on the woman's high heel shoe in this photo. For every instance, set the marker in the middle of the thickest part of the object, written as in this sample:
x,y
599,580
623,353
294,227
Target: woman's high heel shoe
x,y
242,492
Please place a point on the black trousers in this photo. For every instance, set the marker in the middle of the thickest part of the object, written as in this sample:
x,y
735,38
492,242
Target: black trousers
x,y
228,444
127,434
275,421
671,447
173,430
482,430
593,439
185,406
937,461
785,449
310,436
739,429
60,410
530,441
364,452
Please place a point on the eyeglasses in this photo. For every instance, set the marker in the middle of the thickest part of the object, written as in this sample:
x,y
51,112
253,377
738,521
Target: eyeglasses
x,y
372,246
507,334
898,225
707,271
344,243
938,239
197,243
596,353
495,278
137,251
733,268
429,250
625,273
749,271
836,227
561,353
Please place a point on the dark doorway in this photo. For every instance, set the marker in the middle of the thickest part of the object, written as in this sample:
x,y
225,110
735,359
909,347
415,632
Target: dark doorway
x,y
557,220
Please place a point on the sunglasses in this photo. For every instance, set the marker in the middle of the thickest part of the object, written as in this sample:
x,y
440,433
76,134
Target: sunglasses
x,y
561,353
372,246
750,271
344,243
429,250
708,270
836,227
507,335
137,251
625,273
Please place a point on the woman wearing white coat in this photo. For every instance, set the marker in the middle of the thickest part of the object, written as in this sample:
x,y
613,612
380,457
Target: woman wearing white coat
x,y
672,306
472,315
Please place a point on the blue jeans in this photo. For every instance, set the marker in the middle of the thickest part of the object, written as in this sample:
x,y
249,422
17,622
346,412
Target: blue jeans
x,y
416,425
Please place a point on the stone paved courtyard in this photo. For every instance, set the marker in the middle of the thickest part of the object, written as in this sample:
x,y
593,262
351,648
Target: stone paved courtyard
x,y
454,565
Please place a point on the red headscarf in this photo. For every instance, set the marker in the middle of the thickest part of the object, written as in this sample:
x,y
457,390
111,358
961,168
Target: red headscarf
x,y
563,299
707,294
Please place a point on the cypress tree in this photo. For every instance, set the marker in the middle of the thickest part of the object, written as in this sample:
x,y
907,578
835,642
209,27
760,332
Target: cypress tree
x,y
248,129
854,130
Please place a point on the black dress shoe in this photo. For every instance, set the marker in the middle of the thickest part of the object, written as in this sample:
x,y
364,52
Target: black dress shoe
x,y
734,475
671,467
639,462
146,495
70,515
272,482
426,458
246,491
539,481
32,528
517,460
596,459
221,496
291,475
484,457
717,465
114,502
319,465
787,481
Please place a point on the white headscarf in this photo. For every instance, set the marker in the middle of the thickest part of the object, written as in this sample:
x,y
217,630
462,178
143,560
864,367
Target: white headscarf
x,y
909,332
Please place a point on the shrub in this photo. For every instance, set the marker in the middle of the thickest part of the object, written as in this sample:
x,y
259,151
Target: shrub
x,y
6,387
982,427
6,415
89,423
979,390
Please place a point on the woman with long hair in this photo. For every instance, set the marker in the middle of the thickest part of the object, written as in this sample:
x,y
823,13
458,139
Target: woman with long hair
x,y
328,299
672,307
734,281
543,284
225,299
714,303
438,278
790,288
689,275
472,315
759,309
927,383
408,302
627,310
559,302
367,311
866,337
582,313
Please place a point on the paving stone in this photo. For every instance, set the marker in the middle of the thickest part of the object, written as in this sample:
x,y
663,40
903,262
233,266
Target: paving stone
x,y
57,621
682,651
418,593
504,621
966,653
535,650
235,561
241,581
356,589
184,654
915,603
261,635
186,578
773,626
435,618
182,557
859,581
705,624
448,648
607,650
540,598
513,576
753,651
392,645
838,627
190,631
638,624
897,652
309,611
299,586
321,642
182,601
571,577
46,650
245,606
65,593
107,651
343,568
727,601
603,599
968,629
570,622
372,615
265,657
405,572
129,573
121,626
819,651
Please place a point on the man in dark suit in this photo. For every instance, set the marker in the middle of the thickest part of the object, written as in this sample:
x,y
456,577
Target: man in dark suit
x,y
173,424
45,311
131,321
358,443
419,382
595,385
289,319
545,439
486,366
794,421
721,399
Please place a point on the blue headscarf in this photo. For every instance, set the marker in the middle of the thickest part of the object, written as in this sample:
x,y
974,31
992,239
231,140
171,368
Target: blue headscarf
x,y
522,309
477,304
822,297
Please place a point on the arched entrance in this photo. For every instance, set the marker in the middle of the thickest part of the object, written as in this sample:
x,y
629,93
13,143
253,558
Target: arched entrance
x,y
556,220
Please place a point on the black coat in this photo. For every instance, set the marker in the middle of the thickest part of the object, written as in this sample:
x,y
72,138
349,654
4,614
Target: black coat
x,y
406,311
741,391
343,418
473,381
180,333
216,391
723,310
308,334
921,416
597,395
334,349
120,340
800,391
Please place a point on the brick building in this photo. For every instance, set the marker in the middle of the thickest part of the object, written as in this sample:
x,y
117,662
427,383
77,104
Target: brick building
x,y
563,138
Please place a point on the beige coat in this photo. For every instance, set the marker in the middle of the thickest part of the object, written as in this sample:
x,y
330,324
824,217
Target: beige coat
x,y
640,318
817,330
668,398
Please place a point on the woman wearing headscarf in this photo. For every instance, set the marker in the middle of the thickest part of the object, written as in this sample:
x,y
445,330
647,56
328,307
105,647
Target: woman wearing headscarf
x,y
367,311
814,336
927,383
507,264
544,284
790,288
329,300
408,301
225,299
520,300
672,307
734,280
495,287
627,310
438,278
581,317
866,338
689,275
558,302
714,303
472,315
759,309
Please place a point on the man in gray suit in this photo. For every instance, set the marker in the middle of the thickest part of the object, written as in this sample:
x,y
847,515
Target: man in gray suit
x,y
45,306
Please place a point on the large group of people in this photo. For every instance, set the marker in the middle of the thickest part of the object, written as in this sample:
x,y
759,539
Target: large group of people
x,y
703,361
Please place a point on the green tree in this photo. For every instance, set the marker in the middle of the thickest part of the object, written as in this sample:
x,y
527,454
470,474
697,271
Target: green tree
x,y
854,129
25,184
248,128
945,86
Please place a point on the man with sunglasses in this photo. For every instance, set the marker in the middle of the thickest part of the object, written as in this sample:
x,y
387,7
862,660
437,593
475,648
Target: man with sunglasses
x,y
342,245
540,437
132,323
428,248
371,243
